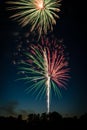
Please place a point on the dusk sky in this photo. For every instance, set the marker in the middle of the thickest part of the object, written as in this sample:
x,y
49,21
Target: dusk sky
x,y
71,27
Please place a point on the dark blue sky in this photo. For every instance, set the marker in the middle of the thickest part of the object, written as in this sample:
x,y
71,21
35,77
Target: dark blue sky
x,y
72,28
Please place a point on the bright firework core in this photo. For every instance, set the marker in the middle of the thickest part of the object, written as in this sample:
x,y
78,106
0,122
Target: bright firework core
x,y
39,4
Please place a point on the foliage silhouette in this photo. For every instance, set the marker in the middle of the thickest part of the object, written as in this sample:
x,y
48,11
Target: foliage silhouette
x,y
44,121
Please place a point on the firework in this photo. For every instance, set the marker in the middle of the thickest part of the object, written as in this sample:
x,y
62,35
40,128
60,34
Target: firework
x,y
40,14
46,68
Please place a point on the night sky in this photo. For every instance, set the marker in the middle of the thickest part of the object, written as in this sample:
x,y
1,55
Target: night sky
x,y
71,27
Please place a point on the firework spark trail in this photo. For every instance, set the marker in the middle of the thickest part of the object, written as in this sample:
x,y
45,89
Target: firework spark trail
x,y
41,15
46,67
47,81
48,93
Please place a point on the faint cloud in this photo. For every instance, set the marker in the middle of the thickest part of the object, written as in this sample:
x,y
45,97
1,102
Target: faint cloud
x,y
25,113
9,109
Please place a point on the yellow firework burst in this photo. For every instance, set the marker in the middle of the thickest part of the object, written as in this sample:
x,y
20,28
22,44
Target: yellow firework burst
x,y
40,14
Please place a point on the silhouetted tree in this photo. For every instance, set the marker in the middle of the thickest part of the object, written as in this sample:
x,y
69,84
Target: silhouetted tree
x,y
30,117
44,116
54,116
20,117
84,117
35,121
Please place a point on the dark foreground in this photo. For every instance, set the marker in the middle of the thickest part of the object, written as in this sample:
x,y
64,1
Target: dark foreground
x,y
44,121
